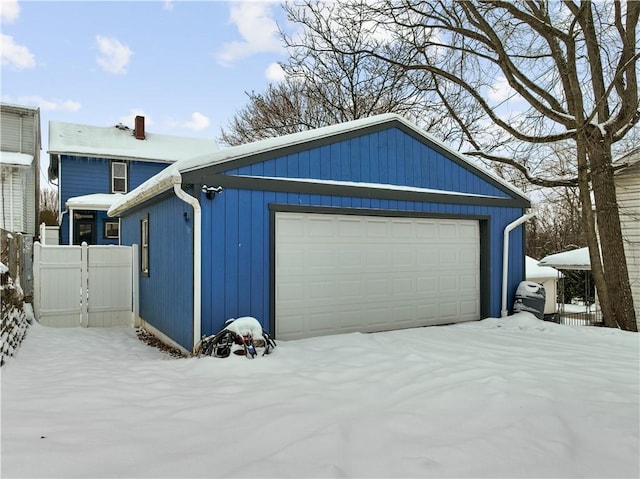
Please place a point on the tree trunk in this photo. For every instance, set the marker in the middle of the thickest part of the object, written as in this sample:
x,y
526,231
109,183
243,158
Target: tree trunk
x,y
614,261
588,219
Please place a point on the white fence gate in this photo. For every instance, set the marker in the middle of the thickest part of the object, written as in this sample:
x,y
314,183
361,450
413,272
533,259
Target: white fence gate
x,y
84,285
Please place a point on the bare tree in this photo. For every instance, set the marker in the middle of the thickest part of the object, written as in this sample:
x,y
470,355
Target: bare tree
x,y
282,109
325,87
558,224
48,207
571,68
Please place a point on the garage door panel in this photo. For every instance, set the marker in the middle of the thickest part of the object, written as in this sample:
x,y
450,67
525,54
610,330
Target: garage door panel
x,y
357,273
426,230
377,228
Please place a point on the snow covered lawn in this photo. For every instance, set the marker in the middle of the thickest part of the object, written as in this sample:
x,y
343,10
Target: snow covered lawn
x,y
512,397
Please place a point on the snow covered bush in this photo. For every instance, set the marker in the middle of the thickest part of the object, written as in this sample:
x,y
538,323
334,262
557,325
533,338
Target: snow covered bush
x,y
16,315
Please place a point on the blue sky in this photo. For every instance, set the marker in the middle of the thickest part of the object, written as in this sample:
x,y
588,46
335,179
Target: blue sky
x,y
183,65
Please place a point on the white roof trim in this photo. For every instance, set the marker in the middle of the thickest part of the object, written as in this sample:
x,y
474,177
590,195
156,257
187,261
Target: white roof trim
x,y
356,184
155,185
15,159
96,201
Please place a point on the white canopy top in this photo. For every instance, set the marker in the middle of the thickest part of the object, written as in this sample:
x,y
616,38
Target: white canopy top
x,y
573,259
534,271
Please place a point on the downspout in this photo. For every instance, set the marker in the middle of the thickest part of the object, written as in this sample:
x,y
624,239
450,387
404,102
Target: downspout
x,y
505,258
197,264
60,215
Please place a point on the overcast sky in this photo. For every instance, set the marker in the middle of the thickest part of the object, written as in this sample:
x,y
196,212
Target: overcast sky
x,y
183,65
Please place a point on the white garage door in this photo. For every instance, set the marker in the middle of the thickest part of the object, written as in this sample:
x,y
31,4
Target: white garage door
x,y
343,273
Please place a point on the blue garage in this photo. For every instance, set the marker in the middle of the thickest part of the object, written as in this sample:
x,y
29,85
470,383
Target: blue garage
x,y
367,226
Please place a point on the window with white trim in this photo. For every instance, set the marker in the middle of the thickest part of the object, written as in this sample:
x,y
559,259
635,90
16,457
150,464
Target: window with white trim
x,y
144,246
112,229
118,177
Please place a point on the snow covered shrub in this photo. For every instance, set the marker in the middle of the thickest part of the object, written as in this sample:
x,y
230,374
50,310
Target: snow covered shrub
x,y
16,315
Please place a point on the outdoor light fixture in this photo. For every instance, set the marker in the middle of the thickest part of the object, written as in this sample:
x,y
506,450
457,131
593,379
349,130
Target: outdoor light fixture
x,y
210,191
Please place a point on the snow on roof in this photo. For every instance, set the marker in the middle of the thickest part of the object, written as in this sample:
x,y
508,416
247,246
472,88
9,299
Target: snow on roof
x,y
573,259
119,143
172,174
535,271
96,201
357,184
20,108
15,159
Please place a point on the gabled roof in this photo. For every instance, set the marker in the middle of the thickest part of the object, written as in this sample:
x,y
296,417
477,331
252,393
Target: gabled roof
x,y
118,142
249,153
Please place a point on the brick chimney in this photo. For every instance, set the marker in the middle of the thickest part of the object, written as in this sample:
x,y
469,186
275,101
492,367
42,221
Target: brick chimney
x,y
138,131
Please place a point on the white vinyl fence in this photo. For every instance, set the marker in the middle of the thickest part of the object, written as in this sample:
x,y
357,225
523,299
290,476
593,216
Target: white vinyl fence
x,y
84,285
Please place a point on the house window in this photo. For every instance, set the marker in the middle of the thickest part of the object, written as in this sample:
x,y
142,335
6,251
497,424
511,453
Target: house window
x,y
112,229
118,177
144,246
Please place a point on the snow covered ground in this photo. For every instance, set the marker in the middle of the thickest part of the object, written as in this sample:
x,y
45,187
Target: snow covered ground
x,y
511,397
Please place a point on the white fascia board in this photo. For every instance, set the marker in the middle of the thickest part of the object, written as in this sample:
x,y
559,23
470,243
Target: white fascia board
x,y
96,201
12,158
155,185
379,186
109,156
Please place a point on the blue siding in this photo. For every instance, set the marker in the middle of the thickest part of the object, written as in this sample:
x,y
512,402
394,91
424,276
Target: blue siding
x,y
141,171
236,229
236,279
166,295
81,176
388,157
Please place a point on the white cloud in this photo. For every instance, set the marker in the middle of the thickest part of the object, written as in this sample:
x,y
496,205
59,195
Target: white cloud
x,y
130,119
44,104
114,56
9,11
167,5
257,28
275,73
14,55
198,122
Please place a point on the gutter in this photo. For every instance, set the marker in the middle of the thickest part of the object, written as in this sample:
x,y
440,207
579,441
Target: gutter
x,y
197,264
163,181
505,258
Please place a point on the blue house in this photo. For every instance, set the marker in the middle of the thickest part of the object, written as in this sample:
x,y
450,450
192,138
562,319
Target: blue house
x,y
93,166
369,225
